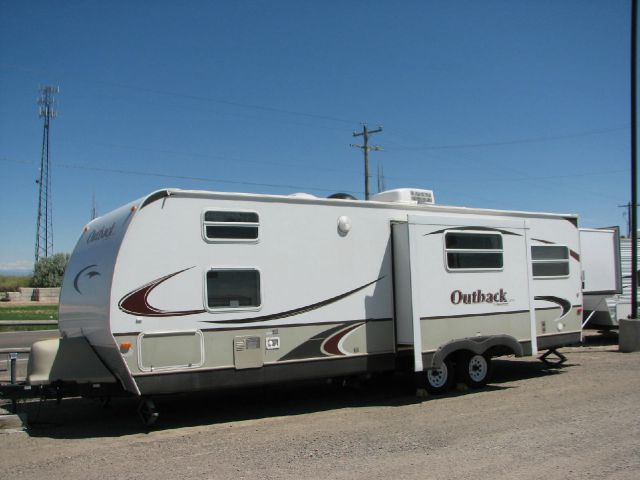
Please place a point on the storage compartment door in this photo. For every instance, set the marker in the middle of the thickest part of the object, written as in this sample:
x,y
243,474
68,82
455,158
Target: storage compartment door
x,y
170,350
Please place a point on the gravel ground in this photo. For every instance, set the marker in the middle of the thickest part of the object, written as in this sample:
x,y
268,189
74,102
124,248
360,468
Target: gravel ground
x,y
579,421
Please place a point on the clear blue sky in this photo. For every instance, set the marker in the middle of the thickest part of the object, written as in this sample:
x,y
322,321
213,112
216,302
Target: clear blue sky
x,y
510,104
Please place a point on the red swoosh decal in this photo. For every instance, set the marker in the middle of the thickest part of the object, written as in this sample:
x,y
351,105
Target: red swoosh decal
x,y
331,344
137,303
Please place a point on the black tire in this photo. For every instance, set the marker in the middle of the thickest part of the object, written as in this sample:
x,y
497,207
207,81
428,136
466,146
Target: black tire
x,y
147,412
475,370
439,380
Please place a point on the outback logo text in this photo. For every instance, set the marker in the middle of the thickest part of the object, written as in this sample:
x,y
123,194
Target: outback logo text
x,y
104,232
458,297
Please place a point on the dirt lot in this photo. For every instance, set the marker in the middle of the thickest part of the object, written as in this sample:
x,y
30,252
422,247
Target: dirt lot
x,y
580,421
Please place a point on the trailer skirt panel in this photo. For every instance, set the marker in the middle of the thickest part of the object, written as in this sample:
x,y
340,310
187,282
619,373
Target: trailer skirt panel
x,y
200,380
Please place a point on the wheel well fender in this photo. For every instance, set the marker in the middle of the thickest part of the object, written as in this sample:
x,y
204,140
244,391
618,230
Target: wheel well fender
x,y
491,345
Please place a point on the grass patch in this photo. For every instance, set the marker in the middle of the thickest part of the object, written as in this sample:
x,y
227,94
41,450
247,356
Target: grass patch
x,y
28,312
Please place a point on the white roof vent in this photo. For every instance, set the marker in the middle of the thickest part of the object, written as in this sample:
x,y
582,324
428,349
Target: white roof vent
x,y
414,196
302,195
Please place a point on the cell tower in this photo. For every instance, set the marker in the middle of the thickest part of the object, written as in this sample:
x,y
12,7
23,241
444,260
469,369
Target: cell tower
x,y
44,234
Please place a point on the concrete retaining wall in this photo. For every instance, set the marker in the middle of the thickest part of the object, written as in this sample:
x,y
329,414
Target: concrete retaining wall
x,y
41,295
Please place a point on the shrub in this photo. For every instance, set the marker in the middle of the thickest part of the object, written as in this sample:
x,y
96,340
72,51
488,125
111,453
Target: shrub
x,y
48,271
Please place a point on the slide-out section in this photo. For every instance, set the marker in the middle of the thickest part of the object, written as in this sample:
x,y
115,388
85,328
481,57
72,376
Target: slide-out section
x,y
461,277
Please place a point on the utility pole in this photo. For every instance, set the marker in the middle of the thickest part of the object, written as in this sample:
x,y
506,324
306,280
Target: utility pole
x,y
381,182
366,148
44,229
634,162
94,210
627,206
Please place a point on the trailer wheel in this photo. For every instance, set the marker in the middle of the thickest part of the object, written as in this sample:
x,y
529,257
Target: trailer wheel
x,y
147,412
475,370
439,380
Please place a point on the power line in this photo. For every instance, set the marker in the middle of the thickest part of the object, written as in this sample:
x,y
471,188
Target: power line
x,y
211,110
461,194
272,109
223,157
252,106
511,142
183,177
522,176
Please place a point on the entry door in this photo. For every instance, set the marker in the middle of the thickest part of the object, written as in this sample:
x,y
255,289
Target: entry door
x,y
465,276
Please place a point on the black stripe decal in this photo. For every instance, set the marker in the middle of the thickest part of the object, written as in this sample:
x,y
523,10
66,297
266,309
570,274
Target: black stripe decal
x,y
296,311
484,229
279,327
512,312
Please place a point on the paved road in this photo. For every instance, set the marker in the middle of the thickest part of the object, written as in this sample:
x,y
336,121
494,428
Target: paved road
x,y
578,422
25,339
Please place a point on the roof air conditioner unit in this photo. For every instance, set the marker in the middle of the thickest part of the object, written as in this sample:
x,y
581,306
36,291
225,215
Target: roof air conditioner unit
x,y
414,196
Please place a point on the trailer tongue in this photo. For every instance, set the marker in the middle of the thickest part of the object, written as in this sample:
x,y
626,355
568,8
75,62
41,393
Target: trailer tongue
x,y
63,367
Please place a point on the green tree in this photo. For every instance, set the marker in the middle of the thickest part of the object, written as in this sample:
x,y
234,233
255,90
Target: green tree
x,y
48,271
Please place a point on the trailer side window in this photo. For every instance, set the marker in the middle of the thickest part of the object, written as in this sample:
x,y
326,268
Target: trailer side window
x,y
473,251
230,226
550,261
237,288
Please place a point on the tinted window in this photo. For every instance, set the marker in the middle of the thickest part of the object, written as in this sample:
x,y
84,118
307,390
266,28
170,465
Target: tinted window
x,y
243,233
237,217
550,269
474,260
549,252
233,288
473,241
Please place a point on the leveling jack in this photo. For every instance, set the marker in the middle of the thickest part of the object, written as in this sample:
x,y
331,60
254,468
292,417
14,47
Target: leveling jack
x,y
556,363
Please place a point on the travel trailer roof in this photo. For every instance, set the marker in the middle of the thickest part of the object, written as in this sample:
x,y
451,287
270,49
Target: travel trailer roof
x,y
300,199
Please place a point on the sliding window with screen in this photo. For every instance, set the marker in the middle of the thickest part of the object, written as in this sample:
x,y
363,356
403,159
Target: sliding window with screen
x,y
230,226
550,261
473,251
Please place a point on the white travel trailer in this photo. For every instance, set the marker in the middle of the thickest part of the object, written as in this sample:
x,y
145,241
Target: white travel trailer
x,y
191,290
622,302
606,261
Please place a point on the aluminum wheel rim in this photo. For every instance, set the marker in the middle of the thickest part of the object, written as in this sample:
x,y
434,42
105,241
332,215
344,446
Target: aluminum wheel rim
x,y
478,368
437,377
